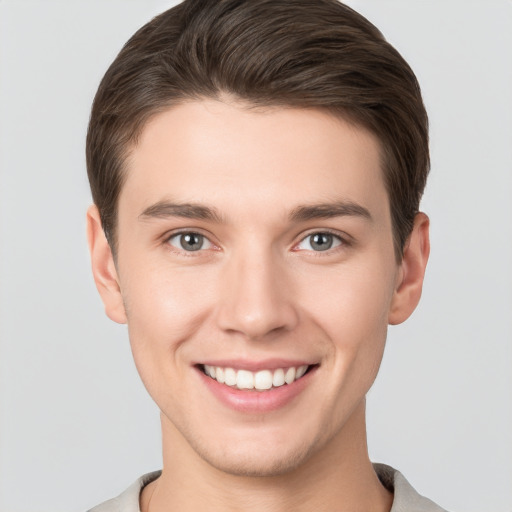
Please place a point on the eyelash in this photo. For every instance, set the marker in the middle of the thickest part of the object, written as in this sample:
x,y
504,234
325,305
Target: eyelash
x,y
182,251
342,242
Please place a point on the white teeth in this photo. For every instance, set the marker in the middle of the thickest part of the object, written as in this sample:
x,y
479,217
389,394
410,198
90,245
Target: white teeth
x,y
261,380
244,380
289,376
301,370
230,376
278,378
219,374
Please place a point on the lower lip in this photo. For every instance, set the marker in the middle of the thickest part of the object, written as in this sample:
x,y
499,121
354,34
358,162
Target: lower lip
x,y
253,401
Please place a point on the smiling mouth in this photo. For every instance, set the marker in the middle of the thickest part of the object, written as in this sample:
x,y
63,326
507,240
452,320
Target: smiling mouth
x,y
262,380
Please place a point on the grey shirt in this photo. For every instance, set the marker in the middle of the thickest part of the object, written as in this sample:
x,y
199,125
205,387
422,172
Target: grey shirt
x,y
406,499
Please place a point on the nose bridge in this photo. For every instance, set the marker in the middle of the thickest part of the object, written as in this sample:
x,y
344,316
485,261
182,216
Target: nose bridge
x,y
256,299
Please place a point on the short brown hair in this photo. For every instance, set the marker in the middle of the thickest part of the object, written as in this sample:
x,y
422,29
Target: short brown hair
x,y
296,53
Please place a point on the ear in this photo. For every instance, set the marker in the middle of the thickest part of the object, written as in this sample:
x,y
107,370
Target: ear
x,y
103,268
411,272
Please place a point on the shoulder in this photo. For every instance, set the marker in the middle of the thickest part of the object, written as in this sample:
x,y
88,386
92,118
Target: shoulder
x,y
127,501
405,499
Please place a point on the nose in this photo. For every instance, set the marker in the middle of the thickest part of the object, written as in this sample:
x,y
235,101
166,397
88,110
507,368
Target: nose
x,y
257,296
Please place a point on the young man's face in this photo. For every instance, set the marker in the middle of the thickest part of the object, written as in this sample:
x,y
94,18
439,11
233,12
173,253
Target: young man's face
x,y
255,242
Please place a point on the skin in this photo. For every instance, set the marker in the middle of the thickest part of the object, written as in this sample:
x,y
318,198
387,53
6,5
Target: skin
x,y
258,290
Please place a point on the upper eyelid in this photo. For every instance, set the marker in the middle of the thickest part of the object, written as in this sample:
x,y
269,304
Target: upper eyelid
x,y
180,231
346,242
344,237
166,237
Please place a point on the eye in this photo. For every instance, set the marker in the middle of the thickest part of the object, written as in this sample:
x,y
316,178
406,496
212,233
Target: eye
x,y
319,242
190,241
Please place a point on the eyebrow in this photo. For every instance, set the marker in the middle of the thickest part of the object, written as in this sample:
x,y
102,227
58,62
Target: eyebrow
x,y
329,210
164,209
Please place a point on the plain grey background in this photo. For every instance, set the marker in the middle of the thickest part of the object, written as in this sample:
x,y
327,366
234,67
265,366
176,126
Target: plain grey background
x,y
77,427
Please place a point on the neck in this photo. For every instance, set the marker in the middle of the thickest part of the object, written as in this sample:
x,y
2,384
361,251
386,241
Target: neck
x,y
337,477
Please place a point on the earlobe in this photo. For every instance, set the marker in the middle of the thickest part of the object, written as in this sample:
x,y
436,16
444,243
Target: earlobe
x,y
411,272
103,268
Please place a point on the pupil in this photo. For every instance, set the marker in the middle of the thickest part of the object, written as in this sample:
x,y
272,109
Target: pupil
x,y
191,241
321,241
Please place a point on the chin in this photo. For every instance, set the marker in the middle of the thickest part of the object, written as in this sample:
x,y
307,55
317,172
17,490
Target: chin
x,y
256,465
255,460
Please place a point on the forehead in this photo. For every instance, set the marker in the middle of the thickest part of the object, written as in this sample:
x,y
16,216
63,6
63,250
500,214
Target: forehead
x,y
214,151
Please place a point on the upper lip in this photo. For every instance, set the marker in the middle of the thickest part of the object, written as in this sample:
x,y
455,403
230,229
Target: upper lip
x,y
254,366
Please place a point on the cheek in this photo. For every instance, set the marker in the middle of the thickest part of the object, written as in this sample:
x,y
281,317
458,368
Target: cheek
x,y
352,302
165,308
353,312
159,294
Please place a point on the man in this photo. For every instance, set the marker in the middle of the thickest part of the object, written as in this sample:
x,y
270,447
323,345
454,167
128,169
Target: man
x,y
256,169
